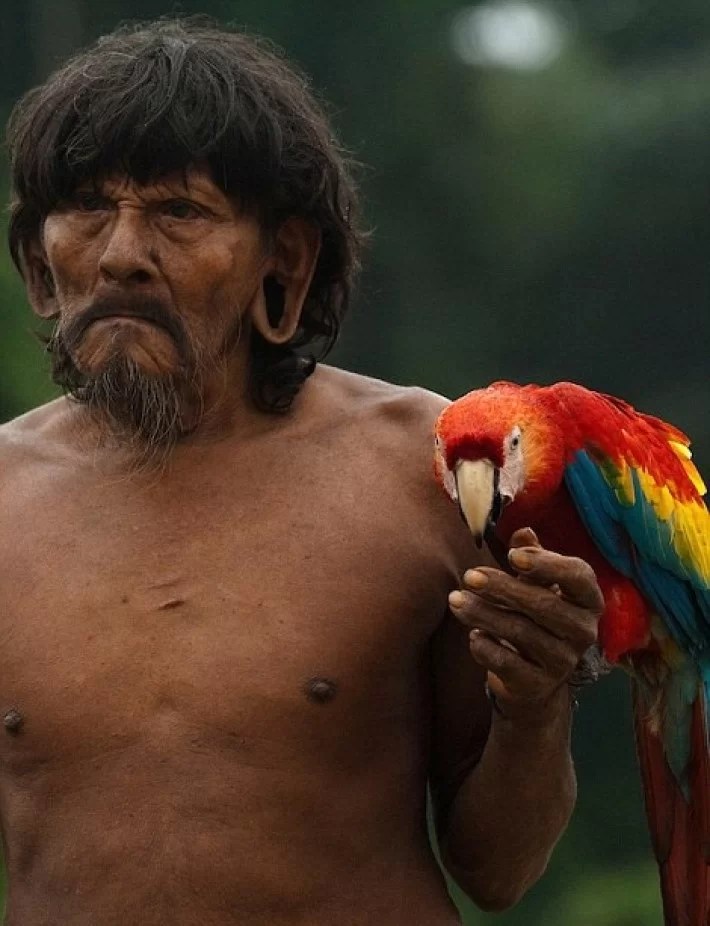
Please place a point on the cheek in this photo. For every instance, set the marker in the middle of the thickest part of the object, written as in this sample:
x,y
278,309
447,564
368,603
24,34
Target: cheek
x,y
69,260
224,280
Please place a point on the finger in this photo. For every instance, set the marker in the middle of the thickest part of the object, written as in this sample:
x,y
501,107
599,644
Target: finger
x,y
524,537
531,641
518,676
545,607
575,577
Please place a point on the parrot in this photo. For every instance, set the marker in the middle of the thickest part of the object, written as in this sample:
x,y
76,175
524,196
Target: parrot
x,y
595,478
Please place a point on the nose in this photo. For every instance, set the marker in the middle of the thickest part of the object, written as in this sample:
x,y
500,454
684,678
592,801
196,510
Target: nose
x,y
128,255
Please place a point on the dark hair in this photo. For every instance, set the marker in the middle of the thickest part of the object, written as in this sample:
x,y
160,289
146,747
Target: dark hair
x,y
152,98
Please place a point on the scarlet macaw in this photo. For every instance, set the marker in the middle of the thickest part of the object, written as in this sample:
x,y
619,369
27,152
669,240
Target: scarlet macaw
x,y
596,479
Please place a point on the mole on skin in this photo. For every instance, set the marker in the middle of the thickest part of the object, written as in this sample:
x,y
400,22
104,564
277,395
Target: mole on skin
x,y
320,690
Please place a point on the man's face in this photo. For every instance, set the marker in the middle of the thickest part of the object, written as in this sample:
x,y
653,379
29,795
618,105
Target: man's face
x,y
151,285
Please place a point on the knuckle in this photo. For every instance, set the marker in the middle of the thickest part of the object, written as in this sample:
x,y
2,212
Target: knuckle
x,y
542,599
599,604
499,657
582,571
564,613
590,622
522,632
480,644
577,626
587,633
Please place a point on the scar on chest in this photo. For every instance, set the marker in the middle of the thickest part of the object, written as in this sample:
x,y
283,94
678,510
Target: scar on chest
x,y
171,603
320,690
13,720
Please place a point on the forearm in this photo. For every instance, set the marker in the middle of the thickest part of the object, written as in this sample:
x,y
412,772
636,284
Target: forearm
x,y
511,809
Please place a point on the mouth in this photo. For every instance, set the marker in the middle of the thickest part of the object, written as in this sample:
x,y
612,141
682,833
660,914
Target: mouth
x,y
126,318
114,333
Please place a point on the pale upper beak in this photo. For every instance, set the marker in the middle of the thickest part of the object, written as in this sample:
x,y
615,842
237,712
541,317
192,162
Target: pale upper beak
x,y
477,487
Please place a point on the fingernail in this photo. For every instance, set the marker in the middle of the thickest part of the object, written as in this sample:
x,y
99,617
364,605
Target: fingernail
x,y
521,559
474,578
456,599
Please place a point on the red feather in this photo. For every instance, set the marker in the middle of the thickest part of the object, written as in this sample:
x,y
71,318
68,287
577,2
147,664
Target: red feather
x,y
556,423
679,830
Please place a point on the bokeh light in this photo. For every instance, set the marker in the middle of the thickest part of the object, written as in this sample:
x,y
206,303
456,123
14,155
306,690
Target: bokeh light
x,y
509,34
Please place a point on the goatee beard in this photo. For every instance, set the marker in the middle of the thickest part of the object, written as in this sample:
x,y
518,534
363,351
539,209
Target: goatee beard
x,y
146,414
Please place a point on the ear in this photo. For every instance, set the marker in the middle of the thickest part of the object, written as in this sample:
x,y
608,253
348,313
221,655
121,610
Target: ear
x,y
276,310
39,281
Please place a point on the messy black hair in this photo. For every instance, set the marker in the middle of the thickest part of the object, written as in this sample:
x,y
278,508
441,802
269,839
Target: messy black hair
x,y
153,98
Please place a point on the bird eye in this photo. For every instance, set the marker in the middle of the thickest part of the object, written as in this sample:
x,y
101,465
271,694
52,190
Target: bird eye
x,y
515,441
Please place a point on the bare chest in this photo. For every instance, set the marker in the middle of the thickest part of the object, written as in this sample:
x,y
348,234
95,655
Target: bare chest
x,y
208,617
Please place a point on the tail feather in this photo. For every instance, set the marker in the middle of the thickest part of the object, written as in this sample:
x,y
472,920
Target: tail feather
x,y
700,775
680,829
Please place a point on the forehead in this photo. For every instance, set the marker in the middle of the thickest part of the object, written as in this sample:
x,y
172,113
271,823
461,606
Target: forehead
x,y
195,180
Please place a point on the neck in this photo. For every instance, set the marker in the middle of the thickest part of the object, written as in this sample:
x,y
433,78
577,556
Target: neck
x,y
221,409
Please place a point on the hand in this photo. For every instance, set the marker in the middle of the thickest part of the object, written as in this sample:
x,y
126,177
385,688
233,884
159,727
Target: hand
x,y
529,630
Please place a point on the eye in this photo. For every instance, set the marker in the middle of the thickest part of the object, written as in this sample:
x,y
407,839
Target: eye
x,y
180,209
515,441
88,201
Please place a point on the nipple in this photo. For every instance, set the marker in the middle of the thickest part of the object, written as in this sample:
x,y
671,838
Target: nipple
x,y
13,720
320,690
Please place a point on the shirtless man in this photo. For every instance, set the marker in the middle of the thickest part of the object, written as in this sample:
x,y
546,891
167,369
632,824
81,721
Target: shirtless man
x,y
228,668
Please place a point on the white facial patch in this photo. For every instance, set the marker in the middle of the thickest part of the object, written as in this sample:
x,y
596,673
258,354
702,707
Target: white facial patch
x,y
445,474
512,475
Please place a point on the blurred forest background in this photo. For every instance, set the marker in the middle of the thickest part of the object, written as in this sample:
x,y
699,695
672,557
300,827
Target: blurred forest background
x,y
536,178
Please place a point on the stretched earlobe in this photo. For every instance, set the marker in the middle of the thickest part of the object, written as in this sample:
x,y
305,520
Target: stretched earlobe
x,y
275,296
269,315
276,309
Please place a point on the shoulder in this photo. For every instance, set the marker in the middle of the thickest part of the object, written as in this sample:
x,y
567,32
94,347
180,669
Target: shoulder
x,y
34,436
388,430
408,413
392,426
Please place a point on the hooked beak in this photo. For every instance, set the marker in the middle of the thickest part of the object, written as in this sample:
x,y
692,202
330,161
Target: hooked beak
x,y
479,499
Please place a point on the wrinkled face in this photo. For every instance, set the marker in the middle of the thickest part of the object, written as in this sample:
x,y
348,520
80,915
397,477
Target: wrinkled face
x,y
151,284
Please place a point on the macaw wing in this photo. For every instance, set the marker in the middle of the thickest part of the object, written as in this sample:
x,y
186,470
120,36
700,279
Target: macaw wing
x,y
649,535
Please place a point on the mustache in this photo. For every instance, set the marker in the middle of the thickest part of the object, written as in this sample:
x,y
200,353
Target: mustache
x,y
130,305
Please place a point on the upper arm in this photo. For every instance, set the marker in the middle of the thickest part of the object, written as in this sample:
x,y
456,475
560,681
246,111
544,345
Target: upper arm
x,y
461,714
460,708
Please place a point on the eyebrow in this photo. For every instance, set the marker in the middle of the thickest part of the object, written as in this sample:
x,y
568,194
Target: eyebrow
x,y
172,187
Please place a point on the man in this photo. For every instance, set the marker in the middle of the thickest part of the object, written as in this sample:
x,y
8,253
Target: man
x,y
229,667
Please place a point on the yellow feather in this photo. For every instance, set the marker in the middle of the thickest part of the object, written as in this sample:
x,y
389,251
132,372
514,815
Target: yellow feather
x,y
689,524
680,449
685,456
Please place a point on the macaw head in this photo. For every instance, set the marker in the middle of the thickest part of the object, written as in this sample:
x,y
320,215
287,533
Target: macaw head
x,y
496,447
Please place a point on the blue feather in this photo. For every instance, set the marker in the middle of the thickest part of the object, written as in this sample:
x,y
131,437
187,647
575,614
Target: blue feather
x,y
639,545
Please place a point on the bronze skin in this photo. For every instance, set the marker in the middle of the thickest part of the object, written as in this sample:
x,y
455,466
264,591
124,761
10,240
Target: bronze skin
x,y
147,335
227,679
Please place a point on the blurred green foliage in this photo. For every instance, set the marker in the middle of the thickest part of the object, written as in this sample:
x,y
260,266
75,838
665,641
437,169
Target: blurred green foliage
x,y
527,224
